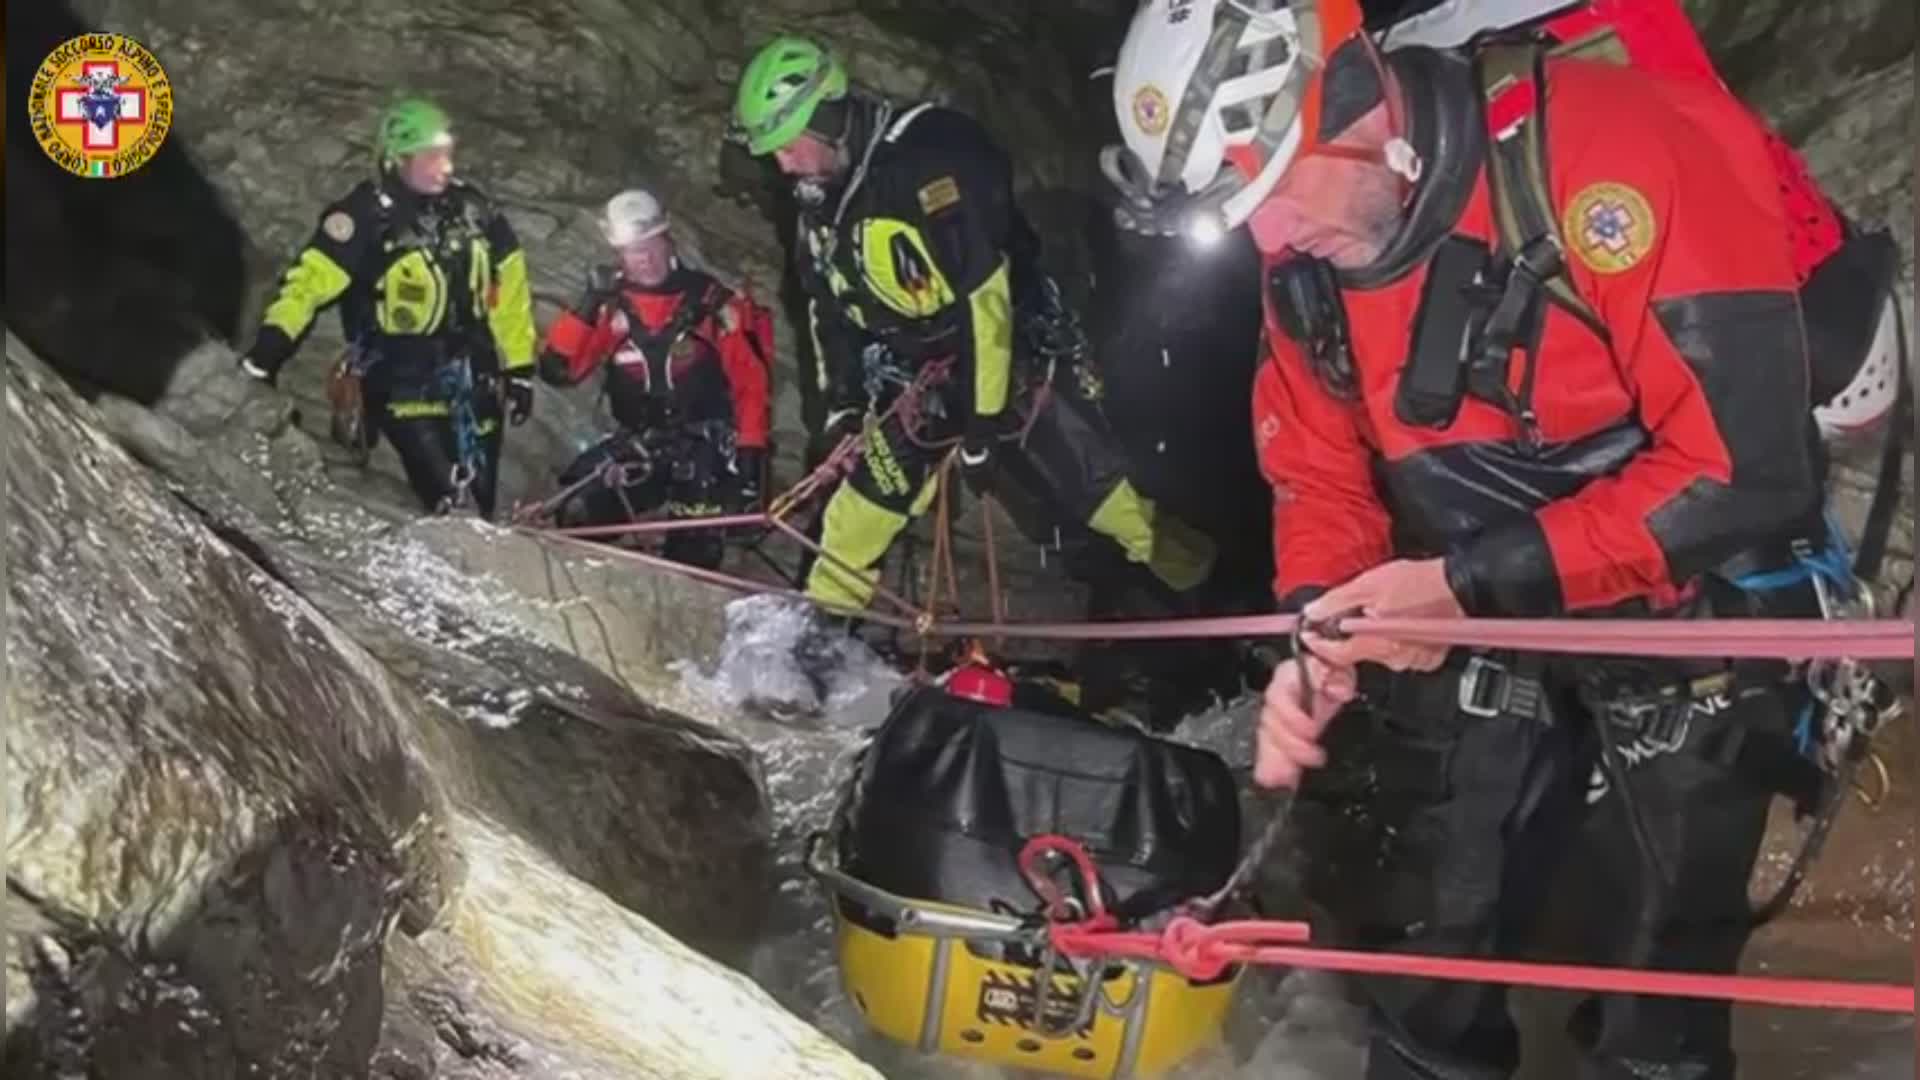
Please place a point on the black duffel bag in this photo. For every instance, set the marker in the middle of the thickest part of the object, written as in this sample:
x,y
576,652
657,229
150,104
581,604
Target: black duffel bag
x,y
950,790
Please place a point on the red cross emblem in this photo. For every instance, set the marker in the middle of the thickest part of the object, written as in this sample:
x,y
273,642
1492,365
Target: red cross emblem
x,y
1610,226
101,104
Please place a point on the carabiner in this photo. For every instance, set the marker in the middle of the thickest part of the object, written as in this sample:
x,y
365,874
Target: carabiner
x,y
1085,998
1875,802
1060,907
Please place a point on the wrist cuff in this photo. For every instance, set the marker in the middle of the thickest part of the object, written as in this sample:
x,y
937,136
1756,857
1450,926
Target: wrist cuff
x,y
1506,573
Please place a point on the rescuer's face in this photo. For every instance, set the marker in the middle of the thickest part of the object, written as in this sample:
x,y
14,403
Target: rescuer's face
x,y
808,157
429,171
647,262
1343,207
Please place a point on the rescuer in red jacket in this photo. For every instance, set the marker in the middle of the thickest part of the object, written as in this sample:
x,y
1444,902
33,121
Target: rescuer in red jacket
x,y
1440,445
687,365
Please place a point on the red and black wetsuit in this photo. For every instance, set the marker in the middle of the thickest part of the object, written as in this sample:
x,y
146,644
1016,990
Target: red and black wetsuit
x,y
663,368
687,367
1673,436
1669,449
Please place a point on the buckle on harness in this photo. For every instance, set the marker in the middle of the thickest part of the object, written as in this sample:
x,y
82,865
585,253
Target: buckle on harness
x,y
1489,689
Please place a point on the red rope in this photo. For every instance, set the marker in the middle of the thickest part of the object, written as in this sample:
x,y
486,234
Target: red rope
x,y
1780,639
1205,952
628,528
1788,639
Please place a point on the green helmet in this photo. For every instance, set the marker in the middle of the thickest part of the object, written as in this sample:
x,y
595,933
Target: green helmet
x,y
411,125
782,86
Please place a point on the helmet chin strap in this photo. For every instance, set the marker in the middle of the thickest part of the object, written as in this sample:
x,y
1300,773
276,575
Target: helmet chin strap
x,y
814,191
1400,155
1397,154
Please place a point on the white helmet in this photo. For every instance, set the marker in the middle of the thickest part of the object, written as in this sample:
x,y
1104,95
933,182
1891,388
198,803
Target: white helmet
x,y
1205,84
632,216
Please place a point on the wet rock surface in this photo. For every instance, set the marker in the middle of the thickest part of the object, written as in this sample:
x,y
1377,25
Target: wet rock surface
x,y
236,779
213,816
509,990
672,822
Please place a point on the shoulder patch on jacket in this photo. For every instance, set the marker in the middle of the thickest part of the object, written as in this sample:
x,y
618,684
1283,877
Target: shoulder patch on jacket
x,y
338,226
939,195
1609,226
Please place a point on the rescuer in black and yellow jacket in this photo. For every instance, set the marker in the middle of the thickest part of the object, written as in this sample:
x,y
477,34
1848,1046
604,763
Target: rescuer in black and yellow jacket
x,y
913,251
434,301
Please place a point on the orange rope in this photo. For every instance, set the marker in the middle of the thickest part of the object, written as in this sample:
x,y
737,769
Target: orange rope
x,y
999,606
941,564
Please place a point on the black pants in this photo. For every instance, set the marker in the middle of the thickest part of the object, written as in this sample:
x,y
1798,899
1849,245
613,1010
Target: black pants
x,y
689,475
1440,832
429,449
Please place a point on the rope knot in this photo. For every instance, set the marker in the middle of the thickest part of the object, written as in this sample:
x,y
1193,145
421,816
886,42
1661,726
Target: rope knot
x,y
1189,947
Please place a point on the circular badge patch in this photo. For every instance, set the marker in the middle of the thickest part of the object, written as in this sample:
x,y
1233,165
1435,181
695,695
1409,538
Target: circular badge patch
x,y
100,105
338,225
1150,112
1609,226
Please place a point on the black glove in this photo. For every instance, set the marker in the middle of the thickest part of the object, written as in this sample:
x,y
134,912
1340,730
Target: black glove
x,y
602,288
602,283
977,464
553,369
750,462
519,399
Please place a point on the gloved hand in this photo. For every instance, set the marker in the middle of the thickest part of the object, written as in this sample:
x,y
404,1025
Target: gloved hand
x,y
977,463
602,283
519,399
553,369
750,462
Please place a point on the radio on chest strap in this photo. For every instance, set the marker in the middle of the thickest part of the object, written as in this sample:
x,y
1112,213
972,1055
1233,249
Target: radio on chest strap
x,y
1483,304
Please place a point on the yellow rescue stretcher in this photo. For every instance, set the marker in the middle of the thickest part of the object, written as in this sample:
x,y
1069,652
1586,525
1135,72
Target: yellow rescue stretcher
x,y
940,941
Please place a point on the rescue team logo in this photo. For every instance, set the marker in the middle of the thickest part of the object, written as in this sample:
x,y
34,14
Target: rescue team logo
x,y
100,105
1150,113
338,226
1610,227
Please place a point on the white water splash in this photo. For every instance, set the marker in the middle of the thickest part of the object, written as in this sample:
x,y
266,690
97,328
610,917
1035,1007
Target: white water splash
x,y
778,656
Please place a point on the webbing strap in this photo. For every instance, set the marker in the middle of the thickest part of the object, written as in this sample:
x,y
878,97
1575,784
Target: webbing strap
x,y
691,313
1517,179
